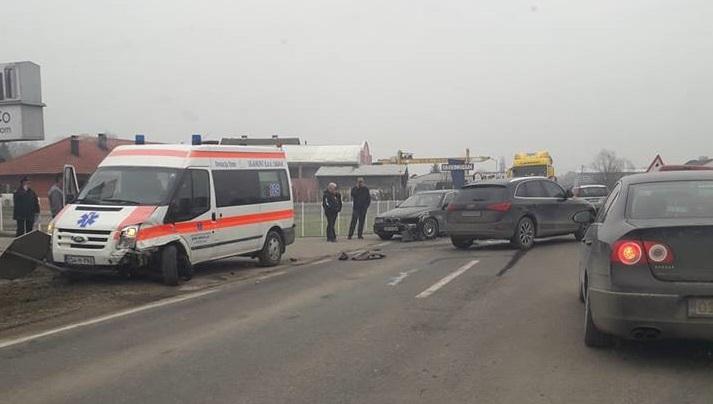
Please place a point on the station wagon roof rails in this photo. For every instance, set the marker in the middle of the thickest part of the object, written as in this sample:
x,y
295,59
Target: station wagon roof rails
x,y
534,177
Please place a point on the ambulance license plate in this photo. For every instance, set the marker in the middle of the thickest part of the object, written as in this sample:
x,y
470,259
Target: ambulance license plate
x,y
391,228
78,260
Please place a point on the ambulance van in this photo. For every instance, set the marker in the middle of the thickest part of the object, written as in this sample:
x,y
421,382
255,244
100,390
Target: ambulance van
x,y
168,207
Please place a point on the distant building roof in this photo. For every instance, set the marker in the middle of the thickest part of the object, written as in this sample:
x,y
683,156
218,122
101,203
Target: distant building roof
x,y
384,170
701,161
431,177
269,141
52,158
329,154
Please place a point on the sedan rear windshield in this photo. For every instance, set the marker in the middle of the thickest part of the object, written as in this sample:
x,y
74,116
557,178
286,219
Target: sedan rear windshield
x,y
671,200
480,193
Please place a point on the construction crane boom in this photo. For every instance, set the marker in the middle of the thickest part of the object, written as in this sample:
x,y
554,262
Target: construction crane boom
x,y
404,158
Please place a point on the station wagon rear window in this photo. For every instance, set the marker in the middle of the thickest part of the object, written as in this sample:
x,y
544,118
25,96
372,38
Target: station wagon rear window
x,y
480,193
671,200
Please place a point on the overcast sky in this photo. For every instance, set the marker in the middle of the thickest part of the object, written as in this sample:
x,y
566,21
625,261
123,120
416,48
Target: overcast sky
x,y
430,77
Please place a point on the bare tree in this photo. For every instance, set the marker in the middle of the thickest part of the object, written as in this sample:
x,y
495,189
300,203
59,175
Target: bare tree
x,y
610,167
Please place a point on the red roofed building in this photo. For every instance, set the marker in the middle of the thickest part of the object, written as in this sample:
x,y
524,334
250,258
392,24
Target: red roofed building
x,y
42,165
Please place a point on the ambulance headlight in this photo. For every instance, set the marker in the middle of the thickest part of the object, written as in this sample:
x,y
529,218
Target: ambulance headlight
x,y
50,228
127,237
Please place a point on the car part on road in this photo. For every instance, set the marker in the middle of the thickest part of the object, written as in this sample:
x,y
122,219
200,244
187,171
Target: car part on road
x,y
366,255
25,254
385,236
271,253
524,237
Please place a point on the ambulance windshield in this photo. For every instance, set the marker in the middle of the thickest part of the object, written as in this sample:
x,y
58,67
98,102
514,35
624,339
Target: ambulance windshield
x,y
129,186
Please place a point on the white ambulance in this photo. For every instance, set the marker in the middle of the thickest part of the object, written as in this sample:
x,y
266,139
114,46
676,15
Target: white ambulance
x,y
168,207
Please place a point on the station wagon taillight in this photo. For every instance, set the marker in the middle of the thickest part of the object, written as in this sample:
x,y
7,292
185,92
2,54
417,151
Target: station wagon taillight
x,y
632,252
500,206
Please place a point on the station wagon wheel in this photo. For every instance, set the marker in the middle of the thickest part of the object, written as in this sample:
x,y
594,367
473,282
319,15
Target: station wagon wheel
x,y
524,237
271,253
429,228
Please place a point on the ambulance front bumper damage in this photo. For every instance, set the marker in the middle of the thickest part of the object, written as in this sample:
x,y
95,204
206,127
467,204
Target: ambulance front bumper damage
x,y
81,250
28,252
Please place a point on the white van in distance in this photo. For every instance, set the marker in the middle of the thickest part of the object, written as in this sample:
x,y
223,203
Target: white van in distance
x,y
168,207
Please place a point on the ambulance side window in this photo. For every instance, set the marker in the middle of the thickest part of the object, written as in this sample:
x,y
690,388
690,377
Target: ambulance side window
x,y
192,198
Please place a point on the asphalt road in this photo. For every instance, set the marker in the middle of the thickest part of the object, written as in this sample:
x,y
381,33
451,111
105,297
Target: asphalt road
x,y
426,324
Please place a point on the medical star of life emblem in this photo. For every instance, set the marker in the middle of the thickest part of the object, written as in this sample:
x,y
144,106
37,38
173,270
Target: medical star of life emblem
x,y
88,219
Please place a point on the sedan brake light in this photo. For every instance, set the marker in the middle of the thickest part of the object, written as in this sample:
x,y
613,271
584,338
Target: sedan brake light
x,y
627,252
500,206
632,252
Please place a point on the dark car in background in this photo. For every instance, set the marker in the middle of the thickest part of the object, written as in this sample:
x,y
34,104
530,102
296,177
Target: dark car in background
x,y
423,213
594,194
646,268
518,210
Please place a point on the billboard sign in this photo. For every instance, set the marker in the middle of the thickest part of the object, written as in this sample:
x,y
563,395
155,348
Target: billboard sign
x,y
457,167
21,116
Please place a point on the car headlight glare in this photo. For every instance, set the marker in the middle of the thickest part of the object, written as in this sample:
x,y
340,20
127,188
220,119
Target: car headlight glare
x,y
127,237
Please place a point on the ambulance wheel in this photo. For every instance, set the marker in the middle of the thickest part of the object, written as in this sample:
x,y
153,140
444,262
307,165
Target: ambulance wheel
x,y
271,253
169,265
185,268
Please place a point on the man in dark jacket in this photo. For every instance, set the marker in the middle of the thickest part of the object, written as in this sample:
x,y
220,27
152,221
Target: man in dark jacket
x,y
332,204
361,199
26,207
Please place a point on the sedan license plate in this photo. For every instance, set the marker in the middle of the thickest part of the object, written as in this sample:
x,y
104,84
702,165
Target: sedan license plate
x,y
78,260
391,228
700,307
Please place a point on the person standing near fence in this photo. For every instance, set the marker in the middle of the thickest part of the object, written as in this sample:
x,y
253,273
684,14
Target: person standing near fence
x,y
26,206
56,196
361,197
332,204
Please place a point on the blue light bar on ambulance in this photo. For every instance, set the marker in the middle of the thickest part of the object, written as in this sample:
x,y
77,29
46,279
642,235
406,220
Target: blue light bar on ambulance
x,y
140,139
196,140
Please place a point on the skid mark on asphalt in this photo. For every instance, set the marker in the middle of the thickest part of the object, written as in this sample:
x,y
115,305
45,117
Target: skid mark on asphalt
x,y
514,260
447,279
393,281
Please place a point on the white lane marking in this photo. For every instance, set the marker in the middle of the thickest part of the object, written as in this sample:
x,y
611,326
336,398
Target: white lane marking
x,y
443,282
384,244
324,261
160,303
393,281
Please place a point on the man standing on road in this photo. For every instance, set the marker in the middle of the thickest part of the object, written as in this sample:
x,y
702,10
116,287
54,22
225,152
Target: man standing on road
x,y
26,207
56,196
332,204
361,197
